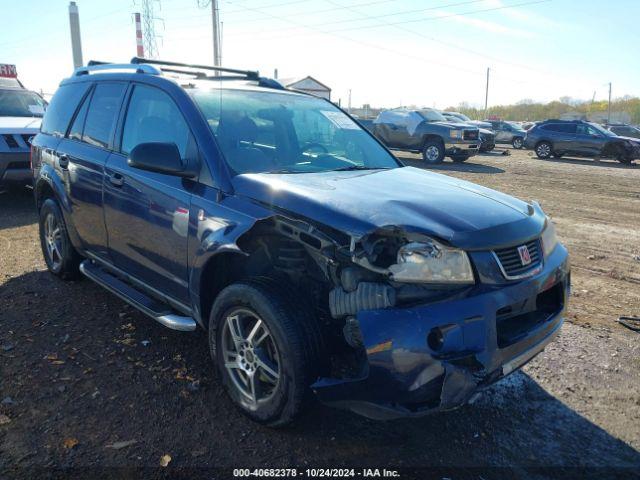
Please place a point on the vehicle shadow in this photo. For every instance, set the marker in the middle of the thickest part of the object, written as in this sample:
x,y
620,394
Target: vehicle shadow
x,y
468,166
102,372
17,208
605,162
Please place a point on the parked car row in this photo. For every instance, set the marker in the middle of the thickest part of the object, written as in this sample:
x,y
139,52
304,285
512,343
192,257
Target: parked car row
x,y
437,135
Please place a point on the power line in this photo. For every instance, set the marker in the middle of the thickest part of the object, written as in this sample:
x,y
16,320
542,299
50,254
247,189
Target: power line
x,y
335,33
427,37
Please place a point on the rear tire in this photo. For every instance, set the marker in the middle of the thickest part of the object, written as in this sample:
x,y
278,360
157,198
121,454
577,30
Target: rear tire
x,y
267,375
433,151
61,258
544,150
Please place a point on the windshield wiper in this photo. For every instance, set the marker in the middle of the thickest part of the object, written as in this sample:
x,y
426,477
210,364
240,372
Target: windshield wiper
x,y
358,167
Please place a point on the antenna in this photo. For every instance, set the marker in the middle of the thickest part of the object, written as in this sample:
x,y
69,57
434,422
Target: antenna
x,y
149,19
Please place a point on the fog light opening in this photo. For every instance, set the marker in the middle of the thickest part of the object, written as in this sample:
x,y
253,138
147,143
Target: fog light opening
x,y
435,339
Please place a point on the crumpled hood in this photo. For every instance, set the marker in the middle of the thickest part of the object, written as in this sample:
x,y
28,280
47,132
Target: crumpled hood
x,y
20,124
359,202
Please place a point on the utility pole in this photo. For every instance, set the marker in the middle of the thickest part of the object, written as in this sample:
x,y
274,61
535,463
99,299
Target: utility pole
x,y
349,110
486,95
215,30
609,107
76,44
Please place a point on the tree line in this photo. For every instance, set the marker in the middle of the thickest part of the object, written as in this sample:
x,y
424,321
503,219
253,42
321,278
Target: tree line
x,y
626,108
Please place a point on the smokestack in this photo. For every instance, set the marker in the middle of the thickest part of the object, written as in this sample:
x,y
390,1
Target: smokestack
x,y
76,45
139,47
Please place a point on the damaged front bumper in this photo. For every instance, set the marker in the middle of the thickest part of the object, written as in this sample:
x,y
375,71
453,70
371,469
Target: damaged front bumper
x,y
434,357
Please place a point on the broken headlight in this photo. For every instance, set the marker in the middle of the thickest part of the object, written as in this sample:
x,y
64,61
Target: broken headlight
x,y
549,239
431,262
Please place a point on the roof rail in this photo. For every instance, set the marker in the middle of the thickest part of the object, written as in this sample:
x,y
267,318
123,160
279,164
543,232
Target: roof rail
x,y
97,66
248,74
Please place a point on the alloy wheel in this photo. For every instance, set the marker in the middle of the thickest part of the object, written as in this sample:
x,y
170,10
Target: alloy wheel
x,y
53,240
543,150
432,153
517,143
251,356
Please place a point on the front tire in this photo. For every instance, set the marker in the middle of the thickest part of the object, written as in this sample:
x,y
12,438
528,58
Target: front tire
x,y
59,255
433,152
544,150
517,143
267,347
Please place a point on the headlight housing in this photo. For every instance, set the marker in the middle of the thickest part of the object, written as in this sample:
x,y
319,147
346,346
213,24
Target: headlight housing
x,y
455,133
431,262
549,238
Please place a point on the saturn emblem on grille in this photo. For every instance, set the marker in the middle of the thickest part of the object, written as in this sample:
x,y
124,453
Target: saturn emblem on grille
x,y
525,257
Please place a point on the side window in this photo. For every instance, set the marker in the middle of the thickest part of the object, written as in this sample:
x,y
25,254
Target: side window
x,y
102,114
75,133
153,116
63,104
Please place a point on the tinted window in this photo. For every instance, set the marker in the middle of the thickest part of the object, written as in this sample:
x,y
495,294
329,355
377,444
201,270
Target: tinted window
x,y
153,116
63,104
75,133
102,114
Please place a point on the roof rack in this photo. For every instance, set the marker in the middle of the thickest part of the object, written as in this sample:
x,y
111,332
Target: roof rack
x,y
98,66
148,66
248,74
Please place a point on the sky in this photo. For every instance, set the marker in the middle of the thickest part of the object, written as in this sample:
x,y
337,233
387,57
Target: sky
x,y
388,53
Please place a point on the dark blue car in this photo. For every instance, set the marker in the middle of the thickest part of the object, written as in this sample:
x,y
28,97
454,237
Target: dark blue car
x,y
317,262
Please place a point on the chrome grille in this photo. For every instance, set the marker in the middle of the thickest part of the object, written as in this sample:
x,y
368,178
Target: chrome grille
x,y
511,264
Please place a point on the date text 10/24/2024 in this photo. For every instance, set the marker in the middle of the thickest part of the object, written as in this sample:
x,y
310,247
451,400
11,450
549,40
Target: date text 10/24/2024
x,y
315,473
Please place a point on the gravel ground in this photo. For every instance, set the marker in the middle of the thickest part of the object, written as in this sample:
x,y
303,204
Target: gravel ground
x,y
81,372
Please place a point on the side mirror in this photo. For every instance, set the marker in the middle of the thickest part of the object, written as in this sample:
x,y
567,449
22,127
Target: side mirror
x,y
159,157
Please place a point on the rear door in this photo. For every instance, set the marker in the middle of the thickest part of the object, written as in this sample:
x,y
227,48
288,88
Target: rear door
x,y
564,136
147,213
81,158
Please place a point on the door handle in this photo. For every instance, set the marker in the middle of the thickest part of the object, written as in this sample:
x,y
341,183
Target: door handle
x,y
116,180
63,161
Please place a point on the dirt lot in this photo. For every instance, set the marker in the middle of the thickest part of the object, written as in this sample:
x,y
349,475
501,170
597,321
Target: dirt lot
x,y
81,371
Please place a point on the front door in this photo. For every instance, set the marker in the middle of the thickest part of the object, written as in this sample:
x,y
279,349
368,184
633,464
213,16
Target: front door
x,y
147,213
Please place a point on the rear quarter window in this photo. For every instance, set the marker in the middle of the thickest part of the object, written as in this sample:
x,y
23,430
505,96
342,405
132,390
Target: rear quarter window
x,y
63,105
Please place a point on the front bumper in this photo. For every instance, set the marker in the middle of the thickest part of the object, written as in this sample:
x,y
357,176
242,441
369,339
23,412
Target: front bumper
x,y
15,168
489,332
462,148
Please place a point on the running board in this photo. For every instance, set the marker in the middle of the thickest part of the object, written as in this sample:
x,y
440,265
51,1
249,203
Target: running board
x,y
160,312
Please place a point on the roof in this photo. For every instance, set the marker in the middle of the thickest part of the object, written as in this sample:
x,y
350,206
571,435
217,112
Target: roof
x,y
288,82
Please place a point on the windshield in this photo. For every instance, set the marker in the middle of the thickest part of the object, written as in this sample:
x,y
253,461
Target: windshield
x,y
453,118
462,116
432,115
271,132
17,103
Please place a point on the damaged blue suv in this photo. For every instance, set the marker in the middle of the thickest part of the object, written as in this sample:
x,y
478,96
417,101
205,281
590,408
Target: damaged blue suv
x,y
319,265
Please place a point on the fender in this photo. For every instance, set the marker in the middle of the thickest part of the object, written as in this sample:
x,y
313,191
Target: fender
x,y
47,177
